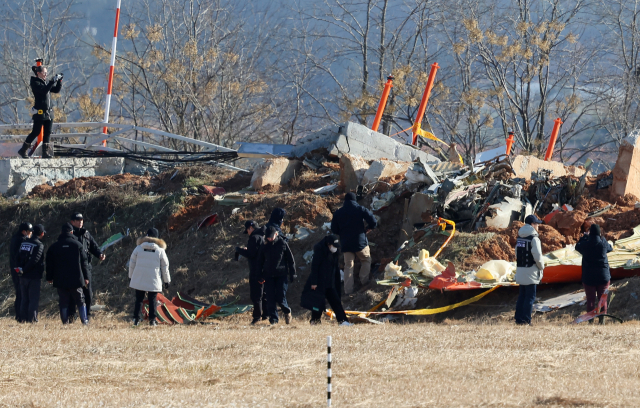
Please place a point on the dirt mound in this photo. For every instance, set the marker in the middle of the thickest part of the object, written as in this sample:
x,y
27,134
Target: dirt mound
x,y
82,185
195,208
569,223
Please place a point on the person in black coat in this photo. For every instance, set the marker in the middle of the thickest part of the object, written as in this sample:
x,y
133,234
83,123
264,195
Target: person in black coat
x,y
595,265
275,263
90,247
349,224
31,260
24,232
43,113
324,281
67,270
256,289
275,220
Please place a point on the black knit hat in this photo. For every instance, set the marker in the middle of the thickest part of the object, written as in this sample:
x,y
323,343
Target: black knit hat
x,y
595,230
66,228
26,226
153,233
350,197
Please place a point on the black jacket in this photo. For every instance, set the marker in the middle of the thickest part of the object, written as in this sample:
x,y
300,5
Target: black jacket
x,y
595,265
348,223
275,221
275,259
325,271
67,263
89,245
31,258
42,95
251,253
14,246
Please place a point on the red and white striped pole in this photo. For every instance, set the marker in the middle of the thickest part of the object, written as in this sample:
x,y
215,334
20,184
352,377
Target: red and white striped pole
x,y
107,102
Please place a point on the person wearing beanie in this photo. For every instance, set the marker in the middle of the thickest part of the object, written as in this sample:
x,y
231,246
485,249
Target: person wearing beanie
x,y
31,260
148,270
67,271
349,224
324,282
256,289
90,247
530,266
275,263
596,275
24,233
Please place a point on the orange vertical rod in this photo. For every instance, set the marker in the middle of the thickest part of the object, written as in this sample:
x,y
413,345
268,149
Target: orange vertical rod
x,y
423,103
510,141
552,141
107,102
383,103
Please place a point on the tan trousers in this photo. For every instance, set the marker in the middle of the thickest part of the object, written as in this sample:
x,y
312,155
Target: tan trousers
x,y
365,268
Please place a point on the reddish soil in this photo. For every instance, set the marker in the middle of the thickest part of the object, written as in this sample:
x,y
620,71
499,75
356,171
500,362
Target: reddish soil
x,y
83,185
194,210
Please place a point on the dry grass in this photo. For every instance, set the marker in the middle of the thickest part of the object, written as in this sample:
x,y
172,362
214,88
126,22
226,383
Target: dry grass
x,y
232,365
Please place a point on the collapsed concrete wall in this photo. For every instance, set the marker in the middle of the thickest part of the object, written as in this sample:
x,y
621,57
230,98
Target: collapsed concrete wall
x,y
356,139
352,170
384,169
275,172
19,176
525,166
626,173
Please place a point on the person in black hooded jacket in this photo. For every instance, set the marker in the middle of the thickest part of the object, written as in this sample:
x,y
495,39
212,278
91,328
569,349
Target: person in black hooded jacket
x,y
596,275
349,224
67,271
275,262
275,220
256,288
31,260
24,233
324,281
43,113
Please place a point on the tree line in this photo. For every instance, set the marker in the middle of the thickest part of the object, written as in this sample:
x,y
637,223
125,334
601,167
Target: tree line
x,y
225,71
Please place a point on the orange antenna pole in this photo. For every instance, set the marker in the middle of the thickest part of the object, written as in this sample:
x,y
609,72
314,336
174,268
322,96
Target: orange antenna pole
x,y
423,103
510,141
554,137
383,103
107,102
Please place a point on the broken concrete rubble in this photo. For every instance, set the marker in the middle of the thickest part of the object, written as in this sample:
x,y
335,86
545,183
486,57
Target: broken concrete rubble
x,y
526,166
352,170
626,173
275,172
384,169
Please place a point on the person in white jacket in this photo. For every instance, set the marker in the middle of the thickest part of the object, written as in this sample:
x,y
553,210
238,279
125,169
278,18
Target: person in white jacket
x,y
148,269
530,267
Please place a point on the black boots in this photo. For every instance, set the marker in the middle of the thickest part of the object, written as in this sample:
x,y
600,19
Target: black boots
x,y
23,150
47,151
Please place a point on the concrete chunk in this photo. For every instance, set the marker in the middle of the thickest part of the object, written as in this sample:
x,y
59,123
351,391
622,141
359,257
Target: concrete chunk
x,y
384,169
352,170
275,172
524,166
626,173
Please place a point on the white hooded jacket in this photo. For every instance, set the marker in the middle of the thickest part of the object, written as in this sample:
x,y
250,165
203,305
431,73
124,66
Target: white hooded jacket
x,y
533,274
149,266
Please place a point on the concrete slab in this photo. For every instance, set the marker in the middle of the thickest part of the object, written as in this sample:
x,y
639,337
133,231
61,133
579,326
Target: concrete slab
x,y
384,169
352,170
14,172
274,172
626,173
356,139
524,166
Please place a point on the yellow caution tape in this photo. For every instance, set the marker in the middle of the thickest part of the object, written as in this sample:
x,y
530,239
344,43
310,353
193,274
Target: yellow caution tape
x,y
428,135
423,312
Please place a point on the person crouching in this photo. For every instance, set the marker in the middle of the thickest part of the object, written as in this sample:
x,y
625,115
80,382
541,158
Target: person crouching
x,y
324,281
148,269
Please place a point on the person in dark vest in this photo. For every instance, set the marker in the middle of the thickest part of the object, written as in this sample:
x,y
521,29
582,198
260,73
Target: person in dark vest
x,y
349,224
31,260
24,233
42,110
324,281
276,263
256,289
90,247
67,271
530,263
596,275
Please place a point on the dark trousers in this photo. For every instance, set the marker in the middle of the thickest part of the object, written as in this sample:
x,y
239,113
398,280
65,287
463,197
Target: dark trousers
x,y
39,124
336,305
593,294
68,297
16,287
137,308
87,291
258,298
30,289
276,289
525,304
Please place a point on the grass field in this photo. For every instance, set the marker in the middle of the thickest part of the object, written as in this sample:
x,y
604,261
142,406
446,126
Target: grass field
x,y
233,365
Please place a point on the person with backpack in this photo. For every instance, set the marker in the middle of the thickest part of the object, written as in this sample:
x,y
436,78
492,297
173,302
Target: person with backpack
x,y
31,260
148,270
